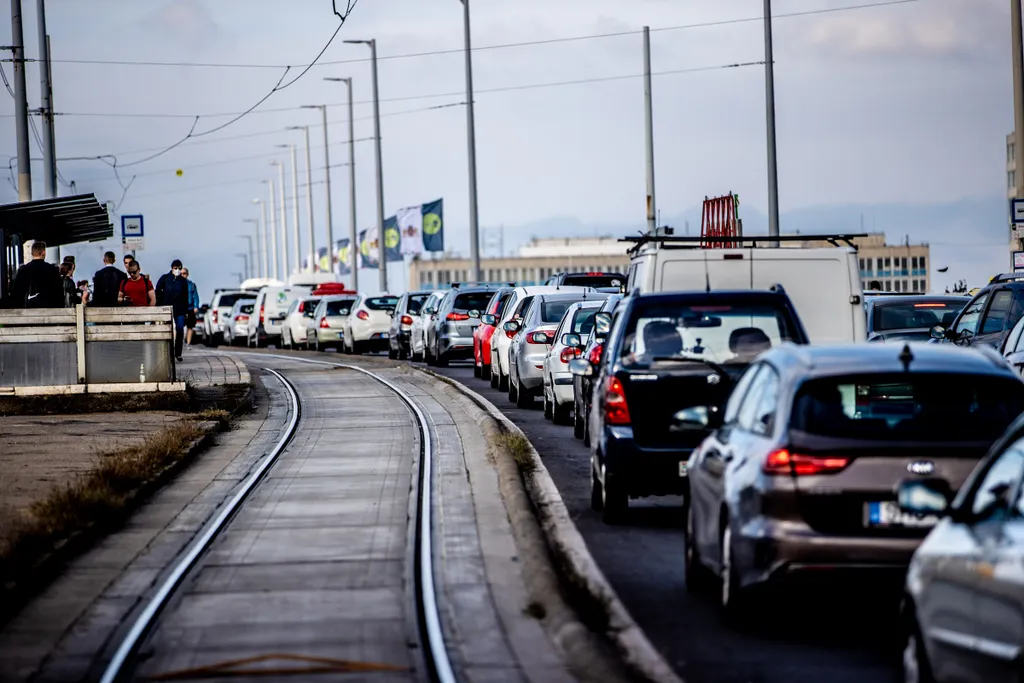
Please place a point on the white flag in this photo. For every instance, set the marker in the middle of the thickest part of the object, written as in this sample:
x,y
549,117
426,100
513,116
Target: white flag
x,y
410,224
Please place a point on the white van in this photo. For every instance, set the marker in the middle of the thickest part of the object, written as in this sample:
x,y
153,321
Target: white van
x,y
822,282
267,320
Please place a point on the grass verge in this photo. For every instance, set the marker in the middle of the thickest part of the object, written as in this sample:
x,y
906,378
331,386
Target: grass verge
x,y
517,446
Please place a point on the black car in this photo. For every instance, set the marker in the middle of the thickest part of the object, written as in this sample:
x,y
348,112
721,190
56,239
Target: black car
x,y
582,385
989,316
602,282
909,317
668,352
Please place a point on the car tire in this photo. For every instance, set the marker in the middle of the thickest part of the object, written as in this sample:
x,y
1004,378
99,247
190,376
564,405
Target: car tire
x,y
586,428
392,353
916,666
560,413
510,389
578,426
615,501
503,381
441,360
356,349
494,378
698,579
596,492
735,599
485,372
476,370
546,405
402,353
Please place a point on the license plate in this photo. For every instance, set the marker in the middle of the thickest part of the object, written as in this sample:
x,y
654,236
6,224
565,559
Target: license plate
x,y
682,468
889,514
381,335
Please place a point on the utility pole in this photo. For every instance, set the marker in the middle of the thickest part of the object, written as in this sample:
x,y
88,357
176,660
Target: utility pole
x,y
649,132
245,264
250,268
1018,99
262,239
474,226
21,104
272,231
327,182
46,105
353,236
284,222
295,212
769,94
309,200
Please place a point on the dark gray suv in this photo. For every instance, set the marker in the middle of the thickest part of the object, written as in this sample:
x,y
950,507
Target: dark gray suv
x,y
458,315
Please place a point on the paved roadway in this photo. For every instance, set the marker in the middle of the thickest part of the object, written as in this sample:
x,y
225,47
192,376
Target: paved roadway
x,y
805,641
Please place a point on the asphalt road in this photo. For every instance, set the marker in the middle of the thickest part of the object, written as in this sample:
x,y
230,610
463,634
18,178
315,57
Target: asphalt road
x,y
833,634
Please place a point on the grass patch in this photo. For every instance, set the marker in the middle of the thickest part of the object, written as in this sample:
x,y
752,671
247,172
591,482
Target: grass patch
x,y
517,446
218,415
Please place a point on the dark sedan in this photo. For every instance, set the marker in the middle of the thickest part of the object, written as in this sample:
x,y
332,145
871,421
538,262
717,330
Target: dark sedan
x,y
909,318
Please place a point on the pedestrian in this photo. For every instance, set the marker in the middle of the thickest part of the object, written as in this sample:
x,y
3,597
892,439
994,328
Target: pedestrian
x,y
192,313
128,258
71,296
37,283
136,290
106,283
83,292
172,290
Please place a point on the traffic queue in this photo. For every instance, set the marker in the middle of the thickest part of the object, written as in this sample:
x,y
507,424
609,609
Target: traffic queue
x,y
815,432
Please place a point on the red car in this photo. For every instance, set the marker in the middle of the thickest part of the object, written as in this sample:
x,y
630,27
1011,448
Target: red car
x,y
482,334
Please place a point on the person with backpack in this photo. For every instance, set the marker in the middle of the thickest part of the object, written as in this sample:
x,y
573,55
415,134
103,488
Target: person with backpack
x,y
172,290
136,290
38,284
106,283
72,297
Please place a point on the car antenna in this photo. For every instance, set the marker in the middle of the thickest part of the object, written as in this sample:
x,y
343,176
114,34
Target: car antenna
x,y
906,355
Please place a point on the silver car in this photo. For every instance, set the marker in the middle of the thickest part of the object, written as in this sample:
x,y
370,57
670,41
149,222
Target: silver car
x,y
533,338
458,315
236,322
418,332
218,315
328,325
570,338
407,312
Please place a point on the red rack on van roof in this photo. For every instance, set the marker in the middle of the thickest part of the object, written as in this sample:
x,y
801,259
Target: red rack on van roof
x,y
331,288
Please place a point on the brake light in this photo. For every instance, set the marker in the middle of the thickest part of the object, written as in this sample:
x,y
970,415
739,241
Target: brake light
x,y
595,354
215,316
302,307
569,353
782,461
261,314
929,305
323,324
243,316
363,315
616,411
407,320
458,316
510,334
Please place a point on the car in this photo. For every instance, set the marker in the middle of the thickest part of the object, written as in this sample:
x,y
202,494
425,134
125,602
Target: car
x,y
909,317
668,353
611,283
216,319
236,322
417,333
801,474
457,317
485,331
516,306
988,316
961,607
366,327
327,327
569,338
407,312
271,306
582,385
296,321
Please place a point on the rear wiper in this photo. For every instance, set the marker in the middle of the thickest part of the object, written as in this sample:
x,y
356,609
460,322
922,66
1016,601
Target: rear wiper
x,y
692,359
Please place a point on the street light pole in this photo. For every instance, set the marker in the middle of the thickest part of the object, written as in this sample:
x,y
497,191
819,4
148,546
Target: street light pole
x,y
649,133
382,251
46,104
284,222
327,183
474,227
245,264
295,209
353,237
253,258
769,94
262,238
272,230
309,200
21,104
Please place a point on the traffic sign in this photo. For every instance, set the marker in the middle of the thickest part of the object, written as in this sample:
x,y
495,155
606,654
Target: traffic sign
x,y
134,243
1018,260
131,226
1017,211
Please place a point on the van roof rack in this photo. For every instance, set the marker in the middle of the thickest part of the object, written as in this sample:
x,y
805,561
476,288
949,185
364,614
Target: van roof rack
x,y
1006,277
695,242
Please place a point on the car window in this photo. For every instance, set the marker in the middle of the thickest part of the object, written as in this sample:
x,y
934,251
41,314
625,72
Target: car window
x,y
751,402
340,307
596,280
998,312
415,303
522,308
245,309
583,321
228,300
992,496
767,405
553,311
920,315
472,301
732,406
382,303
968,323
309,307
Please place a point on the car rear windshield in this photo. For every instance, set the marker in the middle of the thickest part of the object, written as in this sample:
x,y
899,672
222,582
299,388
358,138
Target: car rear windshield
x,y
583,322
339,307
920,315
554,311
246,308
382,303
717,332
584,280
228,300
912,407
472,301
415,303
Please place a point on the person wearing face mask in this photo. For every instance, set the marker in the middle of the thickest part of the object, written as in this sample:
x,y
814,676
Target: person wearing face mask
x,y
172,290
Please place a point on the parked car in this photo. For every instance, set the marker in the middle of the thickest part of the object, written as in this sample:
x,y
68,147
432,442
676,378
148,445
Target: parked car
x,y
458,314
909,317
485,331
418,331
988,316
327,328
802,471
407,312
569,338
612,283
217,316
272,303
236,322
366,327
668,353
296,320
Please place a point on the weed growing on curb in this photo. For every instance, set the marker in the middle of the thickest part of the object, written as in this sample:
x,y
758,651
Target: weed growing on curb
x,y
518,447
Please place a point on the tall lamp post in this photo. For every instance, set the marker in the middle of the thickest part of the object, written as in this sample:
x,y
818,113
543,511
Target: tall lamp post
x,y
297,263
264,237
769,94
309,199
353,237
327,182
474,227
245,264
382,254
272,229
284,220
253,266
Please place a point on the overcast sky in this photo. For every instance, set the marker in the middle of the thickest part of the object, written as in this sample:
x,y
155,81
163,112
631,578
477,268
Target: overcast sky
x,y
899,102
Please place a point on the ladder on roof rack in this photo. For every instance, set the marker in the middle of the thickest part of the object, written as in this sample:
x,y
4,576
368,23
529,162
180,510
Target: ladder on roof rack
x,y
720,219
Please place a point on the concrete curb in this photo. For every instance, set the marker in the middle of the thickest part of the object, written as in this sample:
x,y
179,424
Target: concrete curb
x,y
574,560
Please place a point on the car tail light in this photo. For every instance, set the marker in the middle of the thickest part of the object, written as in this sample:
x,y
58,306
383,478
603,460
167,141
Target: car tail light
x,y
241,317
407,320
781,461
616,411
595,354
323,324
302,307
215,316
538,337
510,334
569,353
261,314
363,315
458,316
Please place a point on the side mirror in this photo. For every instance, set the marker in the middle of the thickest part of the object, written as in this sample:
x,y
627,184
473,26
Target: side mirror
x,y
937,331
602,323
474,313
923,501
581,367
511,326
571,340
695,419
488,319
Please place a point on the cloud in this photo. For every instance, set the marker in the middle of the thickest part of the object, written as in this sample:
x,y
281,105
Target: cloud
x,y
185,22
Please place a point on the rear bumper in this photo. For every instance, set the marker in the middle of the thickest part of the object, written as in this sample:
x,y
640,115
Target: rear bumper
x,y
643,471
562,387
455,347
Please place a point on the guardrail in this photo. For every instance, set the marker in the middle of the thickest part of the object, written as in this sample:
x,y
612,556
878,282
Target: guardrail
x,y
87,350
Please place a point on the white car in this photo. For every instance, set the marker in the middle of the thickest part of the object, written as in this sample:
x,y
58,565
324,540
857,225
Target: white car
x,y
569,340
236,322
418,333
367,325
272,303
327,328
502,339
217,316
293,333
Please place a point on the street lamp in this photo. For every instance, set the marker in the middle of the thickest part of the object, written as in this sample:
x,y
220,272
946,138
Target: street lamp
x,y
327,182
352,236
245,264
309,199
769,96
284,221
272,228
295,208
264,236
380,171
474,229
252,258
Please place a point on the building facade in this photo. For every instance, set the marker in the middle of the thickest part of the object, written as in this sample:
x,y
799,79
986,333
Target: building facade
x,y
897,268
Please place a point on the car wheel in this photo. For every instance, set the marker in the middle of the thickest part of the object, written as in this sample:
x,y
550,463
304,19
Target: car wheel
x,y
476,370
503,381
578,425
560,413
596,492
392,353
356,348
495,379
698,578
586,428
402,353
510,387
734,598
485,372
442,360
316,344
916,667
547,405
615,501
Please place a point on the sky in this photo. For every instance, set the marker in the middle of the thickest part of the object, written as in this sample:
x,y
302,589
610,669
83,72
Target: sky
x,y
906,102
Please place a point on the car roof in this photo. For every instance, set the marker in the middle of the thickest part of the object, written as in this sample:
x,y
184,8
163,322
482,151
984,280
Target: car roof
x,y
917,298
713,295
475,290
866,358
545,289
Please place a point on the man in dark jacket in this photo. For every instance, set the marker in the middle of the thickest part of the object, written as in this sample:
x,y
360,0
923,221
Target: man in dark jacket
x,y
106,283
38,284
172,290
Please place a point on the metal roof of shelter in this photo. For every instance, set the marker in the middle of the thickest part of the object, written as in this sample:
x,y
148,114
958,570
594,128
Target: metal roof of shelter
x,y
57,221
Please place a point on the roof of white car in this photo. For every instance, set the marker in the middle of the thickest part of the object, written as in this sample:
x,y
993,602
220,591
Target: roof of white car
x,y
550,289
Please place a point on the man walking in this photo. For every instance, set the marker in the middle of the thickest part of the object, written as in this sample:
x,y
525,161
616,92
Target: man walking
x,y
106,283
193,307
137,290
38,284
172,290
